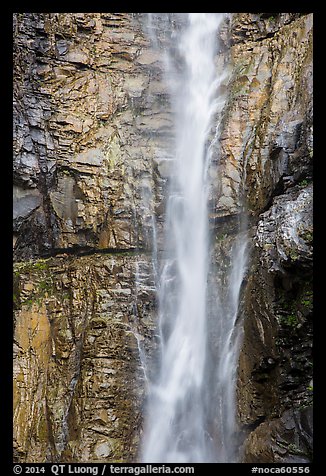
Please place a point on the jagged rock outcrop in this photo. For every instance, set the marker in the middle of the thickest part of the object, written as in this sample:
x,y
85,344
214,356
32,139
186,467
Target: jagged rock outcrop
x,y
275,368
89,116
91,123
81,326
267,136
266,140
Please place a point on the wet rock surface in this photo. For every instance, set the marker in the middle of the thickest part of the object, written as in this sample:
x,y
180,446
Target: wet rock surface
x,y
91,123
275,367
284,440
266,133
79,382
87,129
269,118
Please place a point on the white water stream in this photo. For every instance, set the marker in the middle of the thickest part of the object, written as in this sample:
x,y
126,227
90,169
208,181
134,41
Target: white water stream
x,y
183,404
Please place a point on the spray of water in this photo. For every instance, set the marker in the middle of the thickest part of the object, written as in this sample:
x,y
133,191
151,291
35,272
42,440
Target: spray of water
x,y
177,427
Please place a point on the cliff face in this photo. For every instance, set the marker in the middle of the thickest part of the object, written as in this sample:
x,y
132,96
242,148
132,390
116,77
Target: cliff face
x,y
270,127
79,378
87,120
89,113
91,119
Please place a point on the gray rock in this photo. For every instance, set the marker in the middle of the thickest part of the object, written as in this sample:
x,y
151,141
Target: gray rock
x,y
25,201
103,450
287,229
62,46
93,157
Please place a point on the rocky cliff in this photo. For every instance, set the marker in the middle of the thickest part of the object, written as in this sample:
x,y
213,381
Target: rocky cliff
x,y
91,123
270,123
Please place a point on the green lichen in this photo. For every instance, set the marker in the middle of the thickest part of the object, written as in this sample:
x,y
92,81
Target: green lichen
x,y
308,236
65,296
28,303
40,265
293,255
35,272
304,183
65,172
293,308
221,237
31,266
306,299
291,447
45,286
289,320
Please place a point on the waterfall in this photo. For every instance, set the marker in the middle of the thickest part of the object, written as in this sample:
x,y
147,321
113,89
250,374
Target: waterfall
x,y
229,333
192,389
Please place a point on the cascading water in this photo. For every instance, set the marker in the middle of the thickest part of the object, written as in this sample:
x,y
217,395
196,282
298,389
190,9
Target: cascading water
x,y
229,333
181,404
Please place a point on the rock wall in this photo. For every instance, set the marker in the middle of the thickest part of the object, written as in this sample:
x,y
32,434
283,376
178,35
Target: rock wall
x,y
90,112
91,124
267,136
266,142
89,116
79,380
275,368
